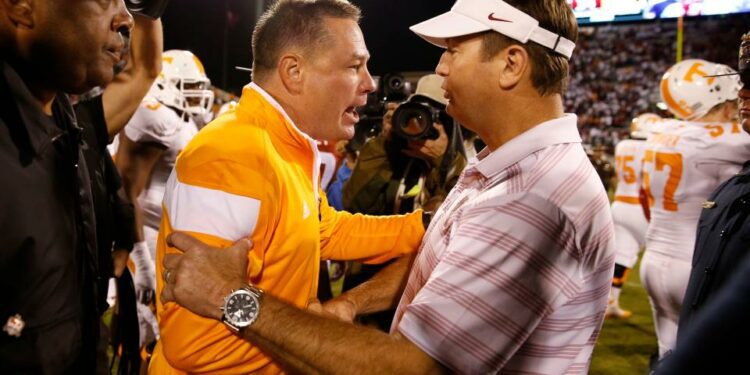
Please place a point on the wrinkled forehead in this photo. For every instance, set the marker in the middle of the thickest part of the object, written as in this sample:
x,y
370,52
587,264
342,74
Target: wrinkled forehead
x,y
347,33
342,42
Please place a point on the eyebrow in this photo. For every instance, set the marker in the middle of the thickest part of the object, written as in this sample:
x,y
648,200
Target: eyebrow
x,y
360,56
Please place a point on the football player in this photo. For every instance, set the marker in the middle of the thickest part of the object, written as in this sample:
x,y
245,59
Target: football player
x,y
685,160
627,214
146,154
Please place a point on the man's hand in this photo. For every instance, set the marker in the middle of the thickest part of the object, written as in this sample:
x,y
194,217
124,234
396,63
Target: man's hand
x,y
200,277
341,308
430,150
338,308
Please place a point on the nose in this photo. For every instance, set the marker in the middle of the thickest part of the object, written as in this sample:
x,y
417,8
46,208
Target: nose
x,y
368,84
122,22
442,67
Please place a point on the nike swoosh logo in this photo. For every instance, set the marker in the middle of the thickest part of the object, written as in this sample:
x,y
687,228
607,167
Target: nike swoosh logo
x,y
492,17
306,211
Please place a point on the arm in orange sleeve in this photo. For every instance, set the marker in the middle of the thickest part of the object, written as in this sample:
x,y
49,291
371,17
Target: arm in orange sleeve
x,y
212,201
369,239
194,344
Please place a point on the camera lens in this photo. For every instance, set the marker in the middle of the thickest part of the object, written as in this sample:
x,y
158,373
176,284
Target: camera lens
x,y
395,83
414,124
134,5
413,120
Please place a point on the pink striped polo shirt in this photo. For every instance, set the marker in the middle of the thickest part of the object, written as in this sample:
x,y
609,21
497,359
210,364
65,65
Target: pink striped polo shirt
x,y
514,271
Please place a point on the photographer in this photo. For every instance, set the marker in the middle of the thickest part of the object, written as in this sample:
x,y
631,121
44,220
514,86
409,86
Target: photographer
x,y
413,163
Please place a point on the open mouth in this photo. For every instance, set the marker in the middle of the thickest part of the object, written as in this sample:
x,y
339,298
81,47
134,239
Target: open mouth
x,y
351,113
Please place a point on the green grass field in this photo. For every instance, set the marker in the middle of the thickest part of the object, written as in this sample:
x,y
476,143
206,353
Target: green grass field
x,y
625,346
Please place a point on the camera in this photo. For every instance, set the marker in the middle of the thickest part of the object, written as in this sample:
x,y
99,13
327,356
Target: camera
x,y
390,87
394,88
370,117
744,63
414,119
149,8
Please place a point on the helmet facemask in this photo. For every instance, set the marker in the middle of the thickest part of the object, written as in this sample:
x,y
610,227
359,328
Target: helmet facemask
x,y
183,84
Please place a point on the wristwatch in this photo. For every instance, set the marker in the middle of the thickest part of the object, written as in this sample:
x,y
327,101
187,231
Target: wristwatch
x,y
241,307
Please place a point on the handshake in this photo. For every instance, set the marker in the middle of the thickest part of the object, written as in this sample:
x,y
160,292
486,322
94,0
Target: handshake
x,y
149,8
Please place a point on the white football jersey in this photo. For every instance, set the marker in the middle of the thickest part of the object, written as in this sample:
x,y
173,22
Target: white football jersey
x,y
628,162
156,123
683,164
627,214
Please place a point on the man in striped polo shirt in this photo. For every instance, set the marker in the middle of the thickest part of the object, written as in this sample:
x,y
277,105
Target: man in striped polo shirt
x,y
514,271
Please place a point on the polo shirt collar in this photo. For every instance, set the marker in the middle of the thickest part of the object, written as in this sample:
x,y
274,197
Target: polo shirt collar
x,y
557,131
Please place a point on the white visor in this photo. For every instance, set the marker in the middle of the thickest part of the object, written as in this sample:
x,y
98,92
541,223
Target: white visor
x,y
474,16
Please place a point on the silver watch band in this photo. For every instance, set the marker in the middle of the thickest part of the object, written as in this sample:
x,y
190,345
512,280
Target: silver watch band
x,y
256,292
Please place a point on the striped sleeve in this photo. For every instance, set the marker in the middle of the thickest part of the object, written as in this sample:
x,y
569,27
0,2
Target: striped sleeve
x,y
493,285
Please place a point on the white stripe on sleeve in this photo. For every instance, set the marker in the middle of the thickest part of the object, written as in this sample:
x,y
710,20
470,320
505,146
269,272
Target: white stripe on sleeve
x,y
209,211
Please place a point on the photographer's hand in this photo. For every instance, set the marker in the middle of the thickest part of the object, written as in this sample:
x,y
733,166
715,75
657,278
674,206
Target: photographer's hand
x,y
430,150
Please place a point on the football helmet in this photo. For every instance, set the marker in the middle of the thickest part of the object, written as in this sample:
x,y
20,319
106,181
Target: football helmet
x,y
642,125
183,84
690,90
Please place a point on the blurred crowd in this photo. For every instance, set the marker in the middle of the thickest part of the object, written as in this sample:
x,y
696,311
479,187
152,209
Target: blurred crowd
x,y
616,71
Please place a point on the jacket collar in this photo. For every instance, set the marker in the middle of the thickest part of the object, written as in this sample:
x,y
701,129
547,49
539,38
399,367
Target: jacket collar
x,y
253,92
29,120
254,96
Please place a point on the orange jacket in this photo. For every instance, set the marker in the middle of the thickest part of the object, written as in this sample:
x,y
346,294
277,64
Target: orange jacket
x,y
252,173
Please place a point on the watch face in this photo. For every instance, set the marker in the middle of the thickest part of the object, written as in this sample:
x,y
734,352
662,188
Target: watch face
x,y
241,308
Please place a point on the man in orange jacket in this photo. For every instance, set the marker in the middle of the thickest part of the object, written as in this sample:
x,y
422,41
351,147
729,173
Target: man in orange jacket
x,y
253,173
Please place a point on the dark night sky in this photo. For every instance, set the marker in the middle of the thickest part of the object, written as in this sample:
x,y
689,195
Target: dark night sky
x,y
201,26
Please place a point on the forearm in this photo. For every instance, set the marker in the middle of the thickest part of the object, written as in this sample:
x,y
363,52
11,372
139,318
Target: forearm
x,y
369,239
138,220
196,344
286,361
382,291
322,345
131,192
147,46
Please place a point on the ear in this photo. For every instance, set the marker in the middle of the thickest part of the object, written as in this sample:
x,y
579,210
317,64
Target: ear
x,y
290,72
19,12
514,62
